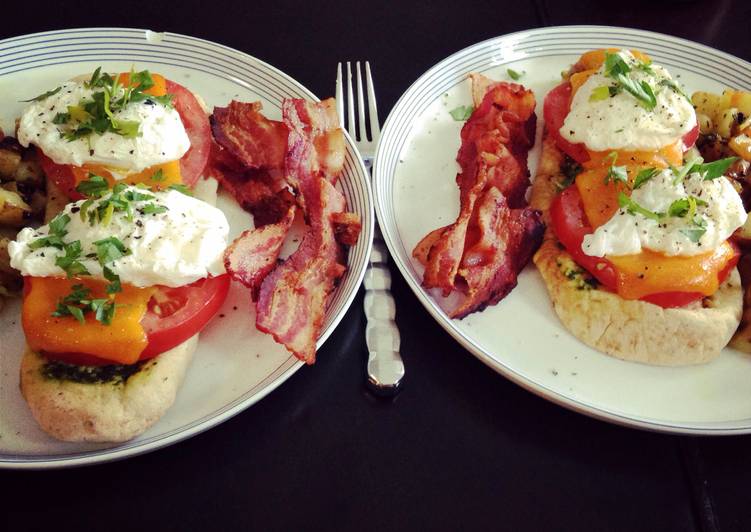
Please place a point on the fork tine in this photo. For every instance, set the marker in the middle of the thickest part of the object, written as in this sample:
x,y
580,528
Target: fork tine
x,y
375,129
350,104
360,105
339,95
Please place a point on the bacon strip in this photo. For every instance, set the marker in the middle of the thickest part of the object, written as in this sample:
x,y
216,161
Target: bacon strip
x,y
292,300
259,161
507,239
253,140
316,142
493,160
254,254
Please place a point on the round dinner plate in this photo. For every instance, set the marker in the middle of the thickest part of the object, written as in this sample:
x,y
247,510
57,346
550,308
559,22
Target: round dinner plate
x,y
235,365
521,337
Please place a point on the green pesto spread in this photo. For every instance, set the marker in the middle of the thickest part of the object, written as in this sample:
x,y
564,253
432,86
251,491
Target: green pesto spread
x,y
115,374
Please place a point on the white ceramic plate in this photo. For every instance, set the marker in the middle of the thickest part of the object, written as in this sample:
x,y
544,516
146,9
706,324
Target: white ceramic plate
x,y
521,337
235,365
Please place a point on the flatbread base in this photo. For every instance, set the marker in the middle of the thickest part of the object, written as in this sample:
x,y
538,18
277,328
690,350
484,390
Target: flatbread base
x,y
104,412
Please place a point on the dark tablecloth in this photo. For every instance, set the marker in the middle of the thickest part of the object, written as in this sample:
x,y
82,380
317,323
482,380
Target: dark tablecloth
x,y
460,447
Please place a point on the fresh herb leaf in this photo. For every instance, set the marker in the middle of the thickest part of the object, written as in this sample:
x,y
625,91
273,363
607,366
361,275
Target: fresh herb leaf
x,y
56,233
715,169
158,175
643,176
69,262
695,232
152,208
78,304
634,208
615,65
617,69
181,188
93,187
616,174
675,86
461,113
114,286
600,93
513,74
104,310
61,118
43,96
58,224
110,249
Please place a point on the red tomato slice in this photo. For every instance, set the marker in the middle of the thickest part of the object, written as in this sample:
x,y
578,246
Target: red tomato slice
x,y
569,223
555,109
192,164
196,123
173,316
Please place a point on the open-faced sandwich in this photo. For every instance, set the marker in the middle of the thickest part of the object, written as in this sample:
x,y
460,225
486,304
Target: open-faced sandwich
x,y
636,255
118,284
131,265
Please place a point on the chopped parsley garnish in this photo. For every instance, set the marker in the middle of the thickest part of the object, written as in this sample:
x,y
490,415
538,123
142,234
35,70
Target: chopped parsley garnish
x,y
615,173
708,171
513,74
181,188
69,262
97,115
78,304
697,230
675,86
158,175
56,233
44,96
152,208
94,187
461,113
684,207
618,69
643,176
634,208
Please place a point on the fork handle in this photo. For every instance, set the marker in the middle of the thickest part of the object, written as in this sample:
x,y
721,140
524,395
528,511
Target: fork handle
x,y
385,365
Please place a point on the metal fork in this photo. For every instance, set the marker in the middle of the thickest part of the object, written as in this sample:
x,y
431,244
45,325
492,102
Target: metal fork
x,y
385,366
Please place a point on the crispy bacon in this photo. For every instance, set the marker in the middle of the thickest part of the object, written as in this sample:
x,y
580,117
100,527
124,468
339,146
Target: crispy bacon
x,y
347,227
291,296
254,140
506,240
292,299
316,142
492,184
254,254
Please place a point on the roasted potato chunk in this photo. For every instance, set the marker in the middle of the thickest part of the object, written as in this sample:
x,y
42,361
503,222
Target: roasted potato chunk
x,y
14,211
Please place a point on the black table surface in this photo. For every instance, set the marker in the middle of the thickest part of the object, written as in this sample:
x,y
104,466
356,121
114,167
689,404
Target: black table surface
x,y
460,447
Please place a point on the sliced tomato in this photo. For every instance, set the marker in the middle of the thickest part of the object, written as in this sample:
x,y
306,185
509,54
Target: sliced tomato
x,y
570,225
196,123
555,110
173,316
192,164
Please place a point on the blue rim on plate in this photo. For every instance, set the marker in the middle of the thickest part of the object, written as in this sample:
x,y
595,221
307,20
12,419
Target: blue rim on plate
x,y
562,42
33,53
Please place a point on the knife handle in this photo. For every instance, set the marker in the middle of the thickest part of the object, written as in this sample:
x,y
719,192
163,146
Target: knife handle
x,y
385,366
